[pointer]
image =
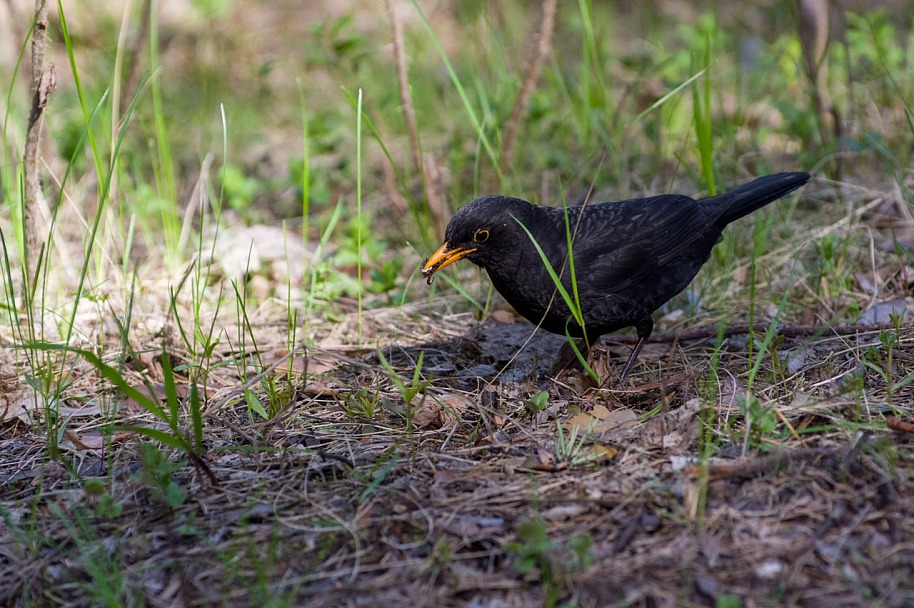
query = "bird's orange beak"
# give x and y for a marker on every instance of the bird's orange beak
(443, 257)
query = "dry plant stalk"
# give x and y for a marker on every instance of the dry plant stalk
(431, 176)
(768, 464)
(533, 73)
(896, 424)
(788, 331)
(815, 31)
(44, 82)
(132, 77)
(409, 113)
(434, 182)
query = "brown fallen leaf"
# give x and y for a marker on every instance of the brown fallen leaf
(503, 316)
(603, 453)
(429, 416)
(446, 476)
(437, 412)
(16, 404)
(897, 424)
(88, 440)
(602, 419)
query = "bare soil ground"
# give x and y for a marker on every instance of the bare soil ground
(326, 506)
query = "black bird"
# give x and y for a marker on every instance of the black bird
(630, 257)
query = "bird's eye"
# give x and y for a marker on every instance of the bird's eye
(481, 236)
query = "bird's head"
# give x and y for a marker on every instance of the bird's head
(482, 232)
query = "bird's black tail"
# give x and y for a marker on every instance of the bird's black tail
(741, 201)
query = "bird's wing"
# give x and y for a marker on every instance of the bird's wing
(617, 244)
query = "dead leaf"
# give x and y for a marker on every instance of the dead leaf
(602, 419)
(317, 363)
(884, 311)
(495, 438)
(89, 440)
(503, 316)
(603, 453)
(680, 423)
(897, 424)
(80, 412)
(18, 402)
(446, 476)
(429, 416)
(439, 411)
(473, 527)
(363, 514)
(564, 512)
(867, 283)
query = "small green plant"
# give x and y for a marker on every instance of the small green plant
(379, 472)
(385, 279)
(779, 367)
(255, 405)
(407, 390)
(337, 44)
(238, 189)
(188, 524)
(106, 505)
(106, 585)
(190, 443)
(276, 396)
(531, 550)
(831, 263)
(534, 552)
(882, 360)
(727, 600)
(571, 449)
(276, 390)
(362, 403)
(760, 420)
(156, 473)
(537, 403)
(442, 556)
(582, 547)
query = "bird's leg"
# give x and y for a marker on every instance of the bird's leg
(644, 329)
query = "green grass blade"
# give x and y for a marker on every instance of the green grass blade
(178, 442)
(358, 203)
(569, 301)
(480, 131)
(196, 417)
(110, 374)
(171, 391)
(580, 356)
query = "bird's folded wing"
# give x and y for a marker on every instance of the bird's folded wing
(618, 245)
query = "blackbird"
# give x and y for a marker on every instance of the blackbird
(630, 257)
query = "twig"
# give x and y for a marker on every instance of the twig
(131, 78)
(815, 32)
(749, 467)
(409, 113)
(532, 75)
(896, 424)
(788, 331)
(437, 207)
(44, 82)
